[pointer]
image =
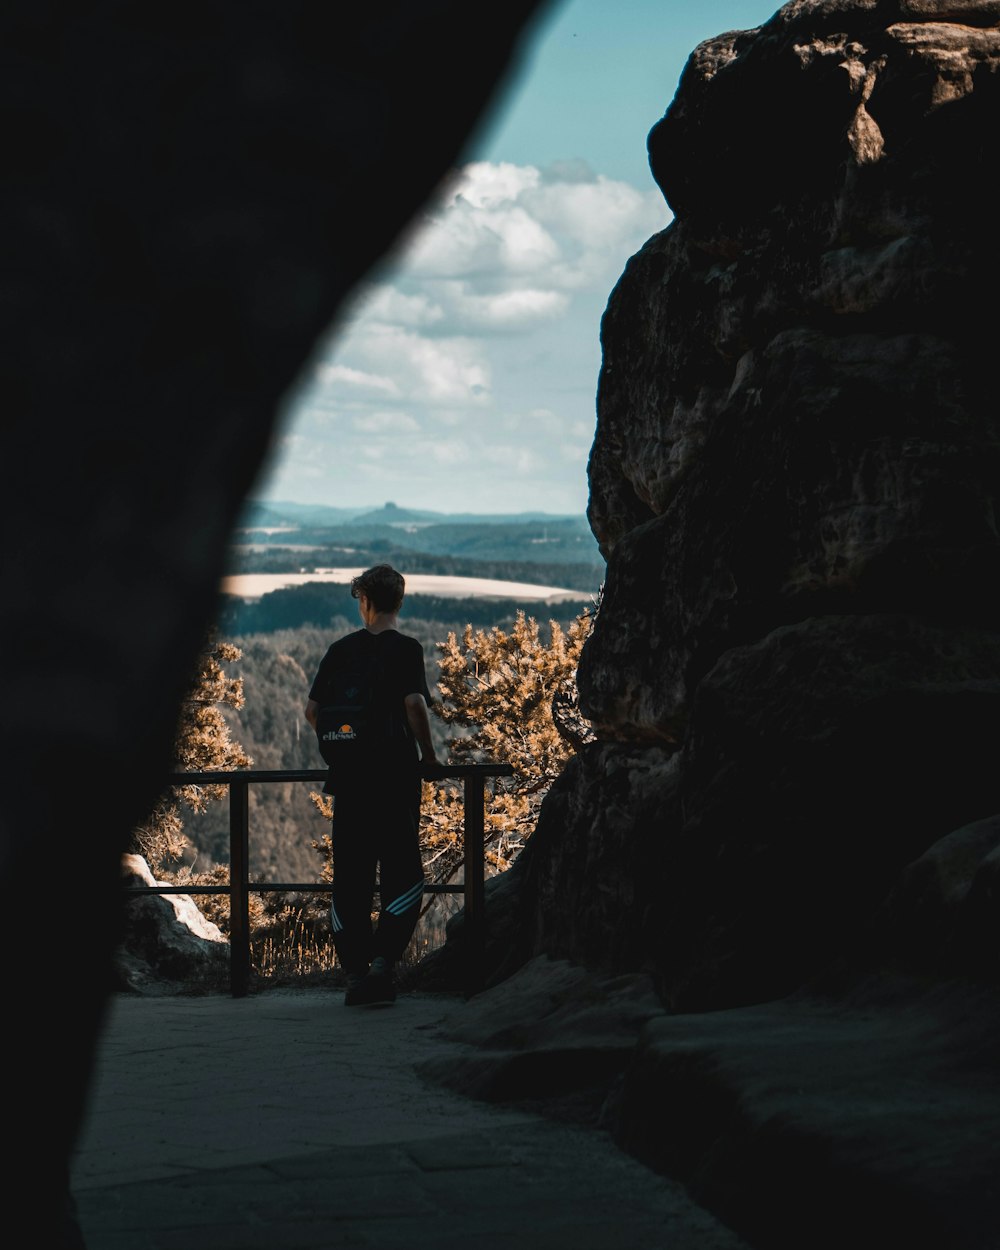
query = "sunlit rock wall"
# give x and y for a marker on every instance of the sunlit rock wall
(795, 670)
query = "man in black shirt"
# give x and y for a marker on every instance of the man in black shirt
(376, 802)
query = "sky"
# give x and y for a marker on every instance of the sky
(462, 375)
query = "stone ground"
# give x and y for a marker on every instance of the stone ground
(283, 1121)
(555, 1111)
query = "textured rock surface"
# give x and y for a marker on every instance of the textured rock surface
(869, 1121)
(865, 1118)
(166, 941)
(788, 822)
(795, 670)
(553, 1035)
(942, 917)
(796, 409)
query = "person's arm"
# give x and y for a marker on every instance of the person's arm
(311, 711)
(420, 723)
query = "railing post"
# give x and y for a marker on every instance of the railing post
(239, 888)
(474, 801)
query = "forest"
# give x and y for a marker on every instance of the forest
(318, 605)
(559, 540)
(276, 669)
(268, 558)
(528, 648)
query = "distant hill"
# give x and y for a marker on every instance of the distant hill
(334, 536)
(257, 515)
(392, 514)
(273, 514)
(527, 541)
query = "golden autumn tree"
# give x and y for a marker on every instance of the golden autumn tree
(498, 689)
(202, 743)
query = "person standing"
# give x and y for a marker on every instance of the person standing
(376, 801)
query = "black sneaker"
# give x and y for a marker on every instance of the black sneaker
(354, 995)
(380, 983)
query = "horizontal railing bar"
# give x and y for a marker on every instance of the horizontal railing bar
(278, 887)
(472, 777)
(266, 887)
(441, 773)
(177, 889)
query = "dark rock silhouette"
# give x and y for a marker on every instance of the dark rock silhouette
(788, 819)
(794, 675)
(190, 194)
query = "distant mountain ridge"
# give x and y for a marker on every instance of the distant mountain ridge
(280, 514)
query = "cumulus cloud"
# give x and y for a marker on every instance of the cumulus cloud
(387, 303)
(507, 310)
(497, 223)
(336, 376)
(423, 370)
(385, 423)
(476, 352)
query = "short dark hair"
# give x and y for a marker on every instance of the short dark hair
(382, 586)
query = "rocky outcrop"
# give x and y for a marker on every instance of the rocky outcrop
(552, 1035)
(795, 670)
(166, 941)
(942, 916)
(787, 824)
(795, 413)
(866, 1118)
(869, 1120)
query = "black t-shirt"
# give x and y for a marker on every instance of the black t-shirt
(401, 660)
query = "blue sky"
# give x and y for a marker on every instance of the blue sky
(463, 375)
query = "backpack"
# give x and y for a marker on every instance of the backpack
(354, 723)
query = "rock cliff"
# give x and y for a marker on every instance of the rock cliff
(795, 670)
(755, 934)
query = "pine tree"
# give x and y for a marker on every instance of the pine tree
(497, 690)
(202, 743)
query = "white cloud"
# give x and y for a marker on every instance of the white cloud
(488, 185)
(385, 423)
(385, 303)
(469, 369)
(448, 453)
(507, 309)
(598, 214)
(331, 375)
(425, 370)
(470, 241)
(437, 371)
(561, 223)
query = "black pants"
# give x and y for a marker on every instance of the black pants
(376, 824)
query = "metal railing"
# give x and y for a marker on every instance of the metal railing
(473, 778)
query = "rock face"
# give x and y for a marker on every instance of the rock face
(795, 670)
(787, 823)
(868, 1118)
(166, 940)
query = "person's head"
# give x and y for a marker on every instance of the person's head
(382, 586)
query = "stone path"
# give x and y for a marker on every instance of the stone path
(284, 1121)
